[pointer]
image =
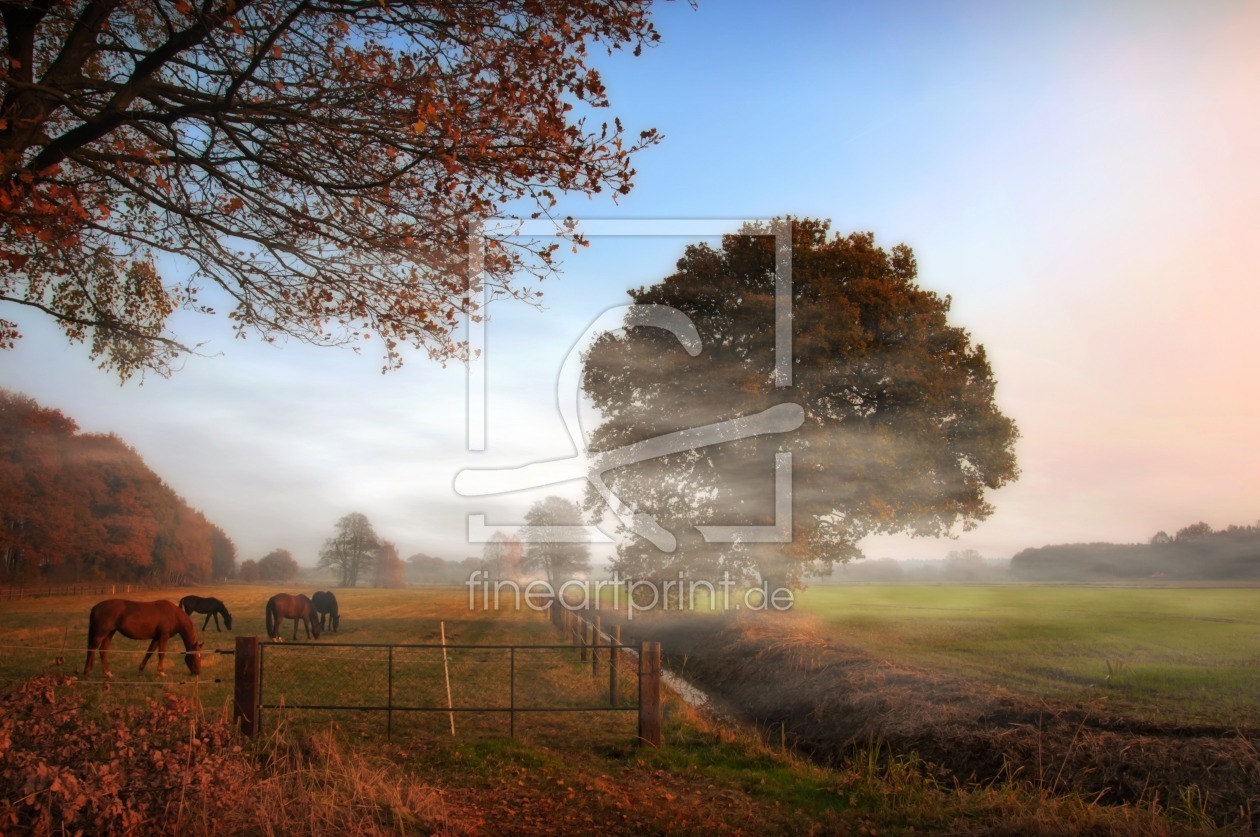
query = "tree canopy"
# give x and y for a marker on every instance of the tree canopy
(901, 432)
(316, 165)
(352, 549)
(546, 549)
(502, 556)
(389, 569)
(85, 506)
(277, 565)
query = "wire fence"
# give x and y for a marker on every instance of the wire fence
(433, 689)
(402, 689)
(23, 661)
(11, 592)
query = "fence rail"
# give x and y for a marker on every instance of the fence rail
(42, 591)
(404, 678)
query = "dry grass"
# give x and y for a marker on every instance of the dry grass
(70, 764)
(832, 701)
(317, 785)
(171, 765)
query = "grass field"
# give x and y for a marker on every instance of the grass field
(1162, 653)
(50, 633)
(569, 772)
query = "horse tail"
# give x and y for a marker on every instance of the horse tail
(184, 605)
(312, 620)
(93, 646)
(271, 618)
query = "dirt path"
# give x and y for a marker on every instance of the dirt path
(782, 672)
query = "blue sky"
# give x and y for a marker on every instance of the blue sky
(1083, 179)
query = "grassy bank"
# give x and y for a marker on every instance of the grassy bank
(1163, 653)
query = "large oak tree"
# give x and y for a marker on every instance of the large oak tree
(901, 432)
(316, 163)
(352, 550)
(547, 548)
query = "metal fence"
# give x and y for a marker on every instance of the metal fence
(497, 684)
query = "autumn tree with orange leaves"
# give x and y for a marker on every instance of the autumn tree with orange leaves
(315, 165)
(81, 506)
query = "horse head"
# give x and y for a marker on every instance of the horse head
(314, 623)
(193, 658)
(227, 619)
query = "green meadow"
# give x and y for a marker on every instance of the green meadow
(1171, 654)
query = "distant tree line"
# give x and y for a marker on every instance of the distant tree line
(423, 568)
(540, 550)
(77, 506)
(276, 565)
(958, 567)
(1196, 552)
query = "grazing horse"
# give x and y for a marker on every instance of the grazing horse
(283, 606)
(155, 621)
(210, 607)
(325, 604)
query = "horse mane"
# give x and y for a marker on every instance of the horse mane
(187, 631)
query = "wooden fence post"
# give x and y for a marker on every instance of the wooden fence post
(614, 687)
(595, 648)
(245, 704)
(582, 625)
(650, 694)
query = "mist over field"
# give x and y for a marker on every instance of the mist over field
(629, 418)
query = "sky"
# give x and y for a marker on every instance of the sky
(1082, 179)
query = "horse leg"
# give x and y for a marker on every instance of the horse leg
(216, 623)
(109, 637)
(295, 624)
(149, 653)
(160, 639)
(207, 622)
(94, 644)
(100, 645)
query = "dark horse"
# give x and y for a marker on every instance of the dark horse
(155, 621)
(325, 604)
(283, 606)
(210, 607)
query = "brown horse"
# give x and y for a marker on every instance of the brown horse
(325, 604)
(283, 606)
(155, 621)
(210, 607)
